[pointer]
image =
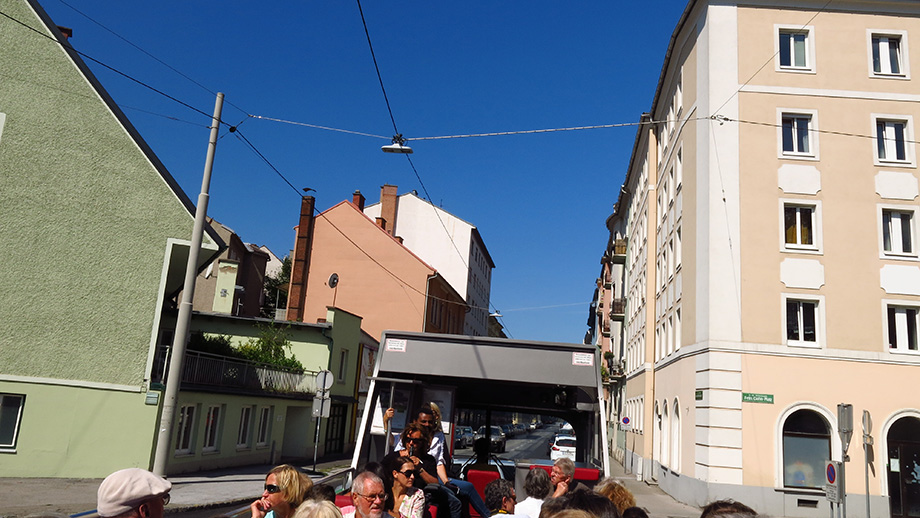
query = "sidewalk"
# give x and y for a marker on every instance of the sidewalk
(241, 485)
(32, 496)
(656, 502)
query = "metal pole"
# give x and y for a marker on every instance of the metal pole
(177, 352)
(866, 456)
(389, 426)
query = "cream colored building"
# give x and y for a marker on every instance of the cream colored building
(772, 269)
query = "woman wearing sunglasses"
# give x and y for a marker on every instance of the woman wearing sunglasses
(408, 501)
(284, 490)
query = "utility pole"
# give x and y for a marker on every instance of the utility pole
(180, 337)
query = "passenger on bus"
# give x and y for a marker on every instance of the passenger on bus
(596, 505)
(563, 478)
(408, 501)
(727, 508)
(482, 455)
(500, 498)
(285, 489)
(317, 509)
(464, 488)
(616, 492)
(415, 436)
(537, 487)
(368, 495)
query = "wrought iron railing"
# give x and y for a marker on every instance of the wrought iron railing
(223, 371)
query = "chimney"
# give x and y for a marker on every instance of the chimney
(300, 267)
(388, 208)
(382, 223)
(358, 199)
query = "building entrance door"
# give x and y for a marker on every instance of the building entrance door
(904, 468)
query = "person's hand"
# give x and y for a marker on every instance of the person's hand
(260, 508)
(561, 489)
(388, 415)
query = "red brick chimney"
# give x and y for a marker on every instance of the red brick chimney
(300, 267)
(358, 199)
(388, 207)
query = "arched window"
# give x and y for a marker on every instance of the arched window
(665, 441)
(675, 437)
(806, 446)
(656, 435)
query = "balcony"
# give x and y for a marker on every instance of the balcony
(204, 371)
(618, 309)
(619, 251)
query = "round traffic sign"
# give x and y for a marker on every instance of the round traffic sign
(831, 474)
(625, 420)
(324, 380)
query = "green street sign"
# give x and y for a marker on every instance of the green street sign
(748, 397)
(699, 395)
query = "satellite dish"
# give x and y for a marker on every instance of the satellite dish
(333, 280)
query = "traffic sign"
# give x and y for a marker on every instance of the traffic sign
(321, 406)
(324, 380)
(831, 470)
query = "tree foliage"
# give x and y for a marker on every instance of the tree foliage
(272, 347)
(276, 289)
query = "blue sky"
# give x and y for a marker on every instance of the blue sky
(449, 68)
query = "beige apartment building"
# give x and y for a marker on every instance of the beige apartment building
(772, 271)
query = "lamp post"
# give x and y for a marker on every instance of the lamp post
(180, 337)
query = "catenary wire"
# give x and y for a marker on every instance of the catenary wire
(151, 56)
(377, 68)
(273, 119)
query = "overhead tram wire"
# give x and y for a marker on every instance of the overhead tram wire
(68, 46)
(151, 56)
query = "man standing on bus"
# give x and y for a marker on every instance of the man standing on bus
(563, 477)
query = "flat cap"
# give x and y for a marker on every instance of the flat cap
(126, 489)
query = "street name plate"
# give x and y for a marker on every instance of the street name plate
(749, 397)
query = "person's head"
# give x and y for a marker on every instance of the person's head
(634, 512)
(285, 488)
(436, 412)
(537, 484)
(403, 472)
(563, 470)
(568, 513)
(726, 508)
(132, 492)
(320, 492)
(317, 509)
(416, 435)
(426, 417)
(596, 505)
(616, 492)
(481, 449)
(368, 495)
(500, 496)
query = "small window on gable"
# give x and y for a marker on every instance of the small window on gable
(888, 54)
(795, 49)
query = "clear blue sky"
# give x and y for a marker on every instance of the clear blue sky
(449, 68)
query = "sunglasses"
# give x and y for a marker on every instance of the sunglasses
(166, 499)
(417, 439)
(408, 473)
(271, 488)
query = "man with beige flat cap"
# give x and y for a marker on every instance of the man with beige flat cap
(132, 493)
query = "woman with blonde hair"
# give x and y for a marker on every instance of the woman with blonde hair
(317, 509)
(285, 489)
(616, 492)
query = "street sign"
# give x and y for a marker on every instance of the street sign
(750, 397)
(845, 425)
(831, 469)
(321, 406)
(324, 380)
(627, 423)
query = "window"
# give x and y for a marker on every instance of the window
(10, 418)
(265, 416)
(803, 322)
(888, 53)
(242, 438)
(891, 136)
(806, 447)
(795, 131)
(795, 49)
(902, 328)
(799, 225)
(186, 429)
(343, 363)
(898, 232)
(211, 429)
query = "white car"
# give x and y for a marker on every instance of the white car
(563, 446)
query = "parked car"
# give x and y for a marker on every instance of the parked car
(520, 429)
(463, 437)
(563, 446)
(499, 440)
(508, 429)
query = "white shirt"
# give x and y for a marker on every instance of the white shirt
(436, 449)
(530, 506)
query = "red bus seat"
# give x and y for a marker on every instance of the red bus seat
(480, 479)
